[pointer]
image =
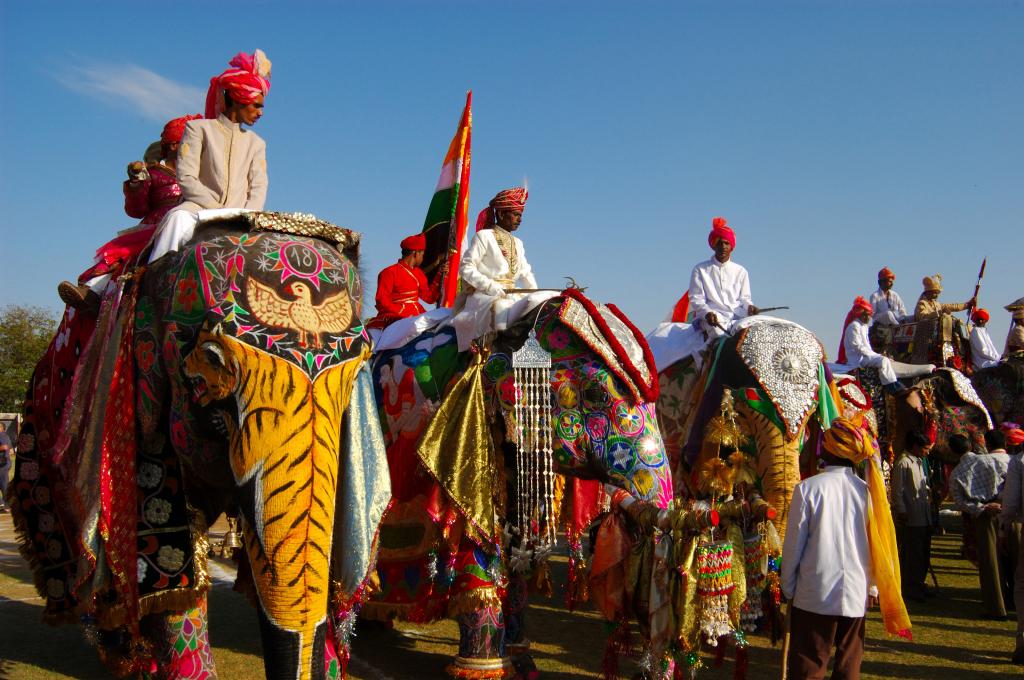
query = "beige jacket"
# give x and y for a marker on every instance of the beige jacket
(221, 165)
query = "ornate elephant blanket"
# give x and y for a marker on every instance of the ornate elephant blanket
(429, 565)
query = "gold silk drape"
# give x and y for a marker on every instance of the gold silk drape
(457, 450)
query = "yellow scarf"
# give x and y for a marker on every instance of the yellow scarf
(850, 439)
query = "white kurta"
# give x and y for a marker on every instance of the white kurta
(859, 352)
(887, 307)
(722, 288)
(826, 566)
(221, 165)
(983, 351)
(491, 303)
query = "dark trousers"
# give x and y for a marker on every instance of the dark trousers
(811, 639)
(915, 547)
(989, 572)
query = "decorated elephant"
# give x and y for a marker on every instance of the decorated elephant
(478, 442)
(943, 403)
(230, 373)
(1001, 388)
(770, 374)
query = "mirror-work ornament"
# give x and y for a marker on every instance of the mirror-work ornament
(784, 358)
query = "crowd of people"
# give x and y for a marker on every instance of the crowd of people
(838, 520)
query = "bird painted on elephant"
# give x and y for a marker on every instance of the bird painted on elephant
(333, 315)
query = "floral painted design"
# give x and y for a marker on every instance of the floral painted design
(170, 558)
(158, 511)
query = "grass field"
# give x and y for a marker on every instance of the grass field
(950, 640)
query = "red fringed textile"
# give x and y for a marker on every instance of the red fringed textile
(117, 472)
(586, 505)
(619, 644)
(648, 388)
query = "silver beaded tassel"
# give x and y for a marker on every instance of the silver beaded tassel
(534, 452)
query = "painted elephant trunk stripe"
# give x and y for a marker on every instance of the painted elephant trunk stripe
(284, 452)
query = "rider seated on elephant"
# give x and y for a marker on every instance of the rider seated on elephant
(719, 288)
(983, 351)
(717, 298)
(493, 269)
(887, 306)
(220, 164)
(929, 308)
(856, 349)
(401, 286)
(150, 192)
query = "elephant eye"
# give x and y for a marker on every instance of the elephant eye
(214, 354)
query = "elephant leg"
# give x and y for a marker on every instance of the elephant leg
(516, 642)
(481, 645)
(181, 644)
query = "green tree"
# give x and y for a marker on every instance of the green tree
(25, 333)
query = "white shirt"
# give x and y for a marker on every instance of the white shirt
(826, 565)
(722, 288)
(983, 350)
(483, 265)
(856, 343)
(887, 307)
(491, 306)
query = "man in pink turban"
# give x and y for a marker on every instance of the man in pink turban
(719, 288)
(220, 163)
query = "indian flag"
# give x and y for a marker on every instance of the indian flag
(448, 214)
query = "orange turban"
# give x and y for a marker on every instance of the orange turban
(886, 273)
(417, 242)
(174, 129)
(721, 230)
(509, 199)
(980, 314)
(846, 440)
(248, 78)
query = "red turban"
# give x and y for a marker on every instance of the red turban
(980, 314)
(859, 305)
(174, 129)
(721, 230)
(509, 199)
(1014, 435)
(886, 273)
(417, 242)
(248, 78)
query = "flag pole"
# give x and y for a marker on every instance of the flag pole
(459, 208)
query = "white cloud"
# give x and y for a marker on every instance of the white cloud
(129, 86)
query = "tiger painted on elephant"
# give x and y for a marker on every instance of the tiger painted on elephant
(237, 376)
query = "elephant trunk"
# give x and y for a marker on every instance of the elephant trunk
(284, 453)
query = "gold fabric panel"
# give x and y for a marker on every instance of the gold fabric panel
(456, 449)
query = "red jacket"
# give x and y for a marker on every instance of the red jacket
(399, 291)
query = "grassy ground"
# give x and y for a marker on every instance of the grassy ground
(950, 640)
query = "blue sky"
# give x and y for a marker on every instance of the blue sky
(836, 137)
